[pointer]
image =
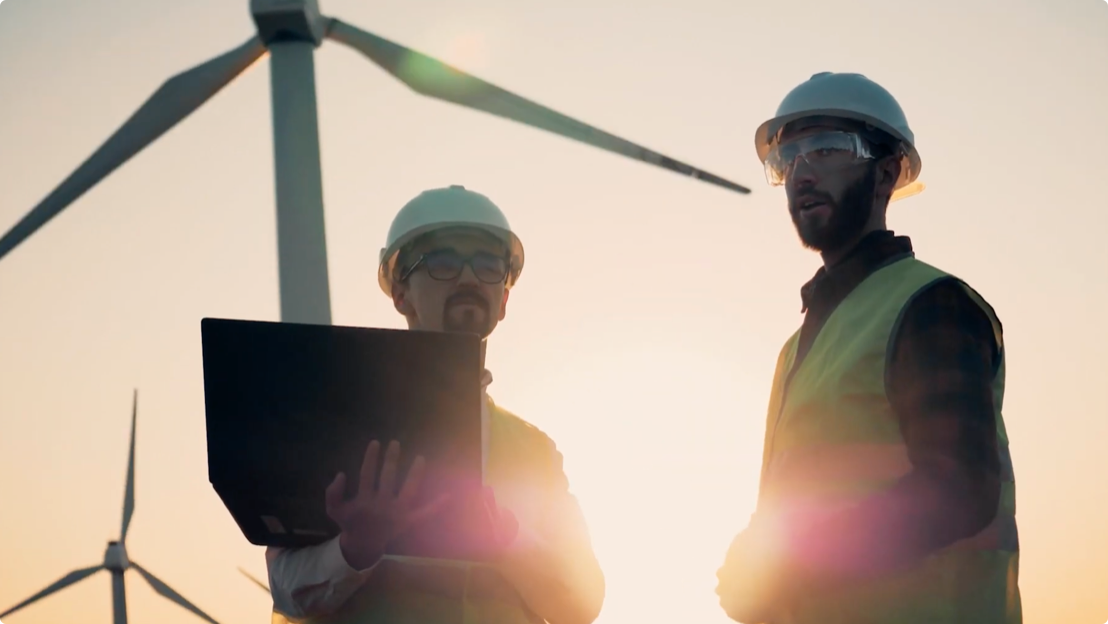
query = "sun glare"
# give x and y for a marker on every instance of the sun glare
(468, 50)
(665, 471)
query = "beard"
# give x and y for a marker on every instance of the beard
(848, 217)
(457, 318)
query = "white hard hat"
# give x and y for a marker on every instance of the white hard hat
(848, 96)
(441, 208)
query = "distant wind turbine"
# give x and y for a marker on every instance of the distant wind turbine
(291, 30)
(116, 560)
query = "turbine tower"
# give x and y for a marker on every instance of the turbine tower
(290, 31)
(116, 560)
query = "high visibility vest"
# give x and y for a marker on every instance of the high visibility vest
(832, 439)
(425, 591)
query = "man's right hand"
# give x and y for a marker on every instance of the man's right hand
(376, 514)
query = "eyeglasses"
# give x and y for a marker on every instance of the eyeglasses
(824, 152)
(447, 264)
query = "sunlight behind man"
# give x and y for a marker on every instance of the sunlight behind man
(663, 477)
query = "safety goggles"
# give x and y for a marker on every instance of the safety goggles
(447, 264)
(824, 152)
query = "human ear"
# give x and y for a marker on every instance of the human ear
(400, 301)
(888, 172)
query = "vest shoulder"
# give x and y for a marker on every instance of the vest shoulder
(916, 267)
(787, 349)
(943, 289)
(951, 282)
(517, 424)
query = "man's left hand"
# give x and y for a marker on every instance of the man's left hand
(753, 576)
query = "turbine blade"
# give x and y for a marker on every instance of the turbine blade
(256, 581)
(129, 493)
(436, 79)
(176, 99)
(65, 581)
(167, 591)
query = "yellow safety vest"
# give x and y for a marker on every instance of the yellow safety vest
(446, 592)
(832, 439)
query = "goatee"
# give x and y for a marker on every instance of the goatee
(467, 321)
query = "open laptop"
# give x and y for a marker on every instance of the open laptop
(288, 406)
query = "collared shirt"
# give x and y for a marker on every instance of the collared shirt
(486, 379)
(943, 362)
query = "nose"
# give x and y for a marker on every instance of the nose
(467, 276)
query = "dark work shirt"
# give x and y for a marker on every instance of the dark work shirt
(940, 372)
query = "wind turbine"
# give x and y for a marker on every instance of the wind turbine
(116, 560)
(290, 31)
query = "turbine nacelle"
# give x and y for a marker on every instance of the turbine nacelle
(288, 20)
(115, 557)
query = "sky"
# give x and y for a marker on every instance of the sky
(644, 331)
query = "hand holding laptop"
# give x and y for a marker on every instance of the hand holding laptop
(290, 406)
(378, 514)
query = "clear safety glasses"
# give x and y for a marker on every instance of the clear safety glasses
(824, 152)
(447, 264)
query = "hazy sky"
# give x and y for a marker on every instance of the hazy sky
(645, 328)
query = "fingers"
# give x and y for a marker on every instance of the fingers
(333, 496)
(387, 487)
(368, 473)
(411, 485)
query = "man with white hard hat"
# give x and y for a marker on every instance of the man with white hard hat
(887, 492)
(449, 262)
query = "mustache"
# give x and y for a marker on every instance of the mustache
(467, 296)
(824, 197)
